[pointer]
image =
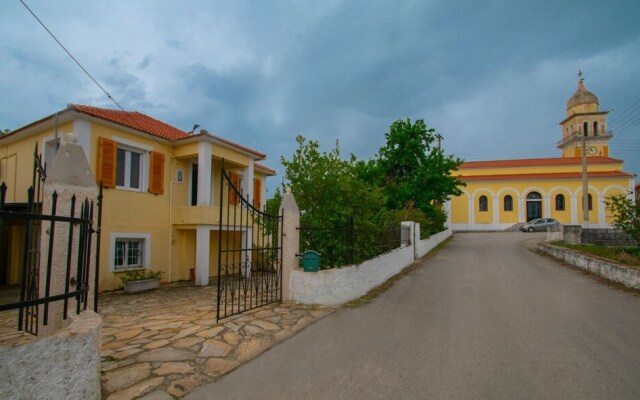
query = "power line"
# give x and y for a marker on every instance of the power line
(619, 119)
(72, 57)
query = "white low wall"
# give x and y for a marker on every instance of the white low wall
(426, 245)
(65, 365)
(626, 276)
(339, 285)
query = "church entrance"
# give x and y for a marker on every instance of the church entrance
(534, 206)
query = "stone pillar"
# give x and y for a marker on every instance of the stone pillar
(68, 175)
(290, 241)
(573, 234)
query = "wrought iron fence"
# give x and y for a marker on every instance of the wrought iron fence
(78, 228)
(348, 244)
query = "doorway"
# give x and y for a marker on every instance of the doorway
(534, 206)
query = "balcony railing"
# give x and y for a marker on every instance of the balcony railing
(577, 136)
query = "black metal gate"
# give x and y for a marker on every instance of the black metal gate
(249, 251)
(79, 230)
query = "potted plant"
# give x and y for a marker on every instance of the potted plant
(140, 280)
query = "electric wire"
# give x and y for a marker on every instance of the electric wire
(72, 57)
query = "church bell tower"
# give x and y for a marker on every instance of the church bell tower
(584, 119)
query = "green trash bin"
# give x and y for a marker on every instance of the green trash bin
(310, 261)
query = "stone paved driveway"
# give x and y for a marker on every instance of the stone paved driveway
(164, 343)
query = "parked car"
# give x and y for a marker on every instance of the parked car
(539, 224)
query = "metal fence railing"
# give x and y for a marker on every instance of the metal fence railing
(348, 244)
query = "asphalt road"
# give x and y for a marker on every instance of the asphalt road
(485, 318)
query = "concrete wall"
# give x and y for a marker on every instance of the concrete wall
(65, 365)
(339, 285)
(626, 276)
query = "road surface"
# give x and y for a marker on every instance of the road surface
(484, 318)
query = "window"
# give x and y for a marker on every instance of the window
(560, 202)
(585, 127)
(508, 203)
(129, 253)
(590, 201)
(484, 205)
(129, 165)
(128, 169)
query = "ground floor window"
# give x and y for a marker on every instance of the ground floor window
(129, 251)
(560, 202)
(484, 204)
(508, 203)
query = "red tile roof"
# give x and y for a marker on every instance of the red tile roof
(528, 162)
(553, 175)
(135, 120)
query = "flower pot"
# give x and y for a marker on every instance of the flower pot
(141, 286)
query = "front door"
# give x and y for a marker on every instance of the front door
(534, 206)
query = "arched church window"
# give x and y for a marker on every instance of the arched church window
(508, 203)
(560, 202)
(484, 203)
(595, 128)
(590, 201)
(585, 129)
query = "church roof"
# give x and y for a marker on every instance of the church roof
(529, 162)
(582, 96)
(551, 175)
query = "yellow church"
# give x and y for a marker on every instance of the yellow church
(502, 193)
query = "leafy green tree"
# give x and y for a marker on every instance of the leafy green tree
(4, 131)
(327, 188)
(413, 172)
(626, 214)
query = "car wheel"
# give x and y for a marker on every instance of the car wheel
(530, 229)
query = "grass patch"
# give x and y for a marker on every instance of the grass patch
(376, 291)
(621, 255)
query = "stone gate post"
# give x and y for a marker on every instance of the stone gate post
(290, 241)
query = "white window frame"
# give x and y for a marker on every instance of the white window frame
(115, 236)
(133, 147)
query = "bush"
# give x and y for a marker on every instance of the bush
(140, 275)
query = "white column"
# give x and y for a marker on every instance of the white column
(496, 209)
(521, 209)
(204, 173)
(547, 206)
(202, 255)
(574, 209)
(247, 181)
(601, 210)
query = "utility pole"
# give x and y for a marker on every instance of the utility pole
(585, 183)
(440, 139)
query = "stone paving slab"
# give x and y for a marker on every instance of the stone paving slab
(164, 343)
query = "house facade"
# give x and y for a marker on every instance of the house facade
(162, 190)
(502, 193)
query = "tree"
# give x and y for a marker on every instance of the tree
(626, 214)
(326, 187)
(413, 172)
(4, 131)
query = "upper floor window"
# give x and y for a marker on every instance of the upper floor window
(484, 204)
(128, 169)
(560, 202)
(508, 203)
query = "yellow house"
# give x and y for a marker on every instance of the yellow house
(502, 193)
(162, 189)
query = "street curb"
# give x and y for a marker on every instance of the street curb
(618, 273)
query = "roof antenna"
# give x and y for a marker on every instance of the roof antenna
(195, 126)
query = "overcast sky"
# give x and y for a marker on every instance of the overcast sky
(492, 77)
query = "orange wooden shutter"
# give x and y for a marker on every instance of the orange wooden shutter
(257, 193)
(156, 172)
(107, 152)
(235, 182)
